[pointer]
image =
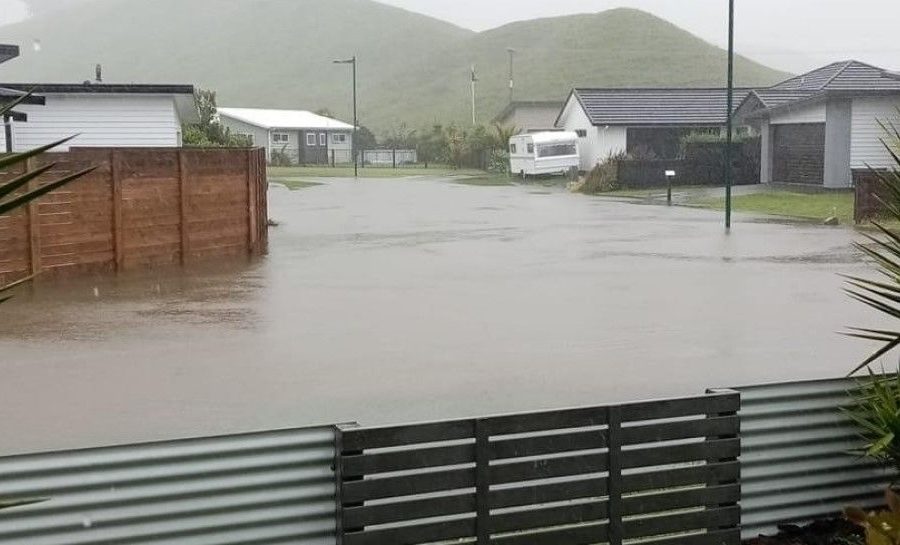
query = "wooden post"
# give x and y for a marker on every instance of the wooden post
(34, 225)
(183, 198)
(115, 169)
(252, 179)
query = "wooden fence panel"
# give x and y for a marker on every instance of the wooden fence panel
(142, 207)
(664, 471)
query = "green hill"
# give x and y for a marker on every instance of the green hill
(413, 68)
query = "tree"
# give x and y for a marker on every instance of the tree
(400, 137)
(365, 139)
(431, 146)
(209, 132)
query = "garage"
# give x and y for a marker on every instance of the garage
(799, 153)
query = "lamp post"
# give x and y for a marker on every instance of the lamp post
(729, 125)
(353, 147)
(512, 54)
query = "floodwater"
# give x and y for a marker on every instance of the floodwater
(404, 300)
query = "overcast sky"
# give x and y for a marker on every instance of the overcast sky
(793, 35)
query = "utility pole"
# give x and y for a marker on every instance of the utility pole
(512, 54)
(474, 81)
(353, 144)
(729, 126)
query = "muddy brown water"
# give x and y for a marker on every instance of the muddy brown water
(397, 300)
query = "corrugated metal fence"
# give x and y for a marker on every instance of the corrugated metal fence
(279, 487)
(275, 487)
(796, 460)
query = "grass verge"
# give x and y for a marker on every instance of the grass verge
(278, 173)
(489, 180)
(811, 206)
(294, 184)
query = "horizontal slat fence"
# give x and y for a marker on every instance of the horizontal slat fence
(141, 207)
(273, 487)
(797, 455)
(663, 472)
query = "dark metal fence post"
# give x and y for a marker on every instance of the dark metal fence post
(482, 482)
(394, 157)
(615, 474)
(339, 481)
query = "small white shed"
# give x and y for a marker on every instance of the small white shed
(103, 115)
(552, 152)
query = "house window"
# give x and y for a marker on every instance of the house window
(310, 139)
(512, 148)
(530, 148)
(339, 138)
(582, 133)
(323, 139)
(280, 138)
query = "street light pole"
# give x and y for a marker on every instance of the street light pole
(353, 145)
(729, 126)
(512, 53)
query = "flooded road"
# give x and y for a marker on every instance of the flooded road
(398, 300)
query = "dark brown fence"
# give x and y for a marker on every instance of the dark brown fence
(868, 189)
(664, 471)
(141, 207)
(703, 164)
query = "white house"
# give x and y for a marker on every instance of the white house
(640, 120)
(823, 127)
(297, 136)
(103, 115)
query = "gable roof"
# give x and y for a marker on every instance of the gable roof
(182, 94)
(842, 76)
(845, 78)
(283, 119)
(516, 104)
(657, 106)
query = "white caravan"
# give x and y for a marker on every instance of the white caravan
(536, 153)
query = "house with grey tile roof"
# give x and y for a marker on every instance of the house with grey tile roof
(824, 127)
(641, 120)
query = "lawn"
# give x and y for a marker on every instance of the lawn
(279, 173)
(812, 206)
(486, 180)
(294, 184)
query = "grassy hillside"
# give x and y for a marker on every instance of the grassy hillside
(278, 53)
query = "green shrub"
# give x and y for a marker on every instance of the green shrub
(604, 177)
(876, 413)
(280, 158)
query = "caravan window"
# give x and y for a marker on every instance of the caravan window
(530, 148)
(557, 150)
(512, 148)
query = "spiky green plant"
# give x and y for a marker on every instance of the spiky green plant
(882, 294)
(13, 193)
(876, 413)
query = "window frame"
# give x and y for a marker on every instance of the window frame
(582, 133)
(323, 139)
(512, 149)
(530, 148)
(280, 138)
(338, 138)
(311, 143)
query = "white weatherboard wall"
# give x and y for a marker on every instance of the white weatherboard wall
(600, 142)
(866, 148)
(100, 120)
(813, 113)
(259, 135)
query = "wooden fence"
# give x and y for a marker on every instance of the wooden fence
(661, 471)
(869, 192)
(142, 207)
